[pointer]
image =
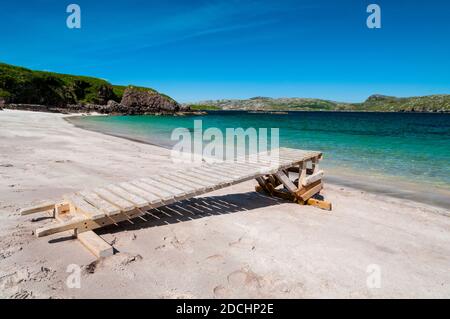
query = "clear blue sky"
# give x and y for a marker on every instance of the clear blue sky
(210, 49)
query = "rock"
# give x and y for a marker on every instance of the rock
(142, 101)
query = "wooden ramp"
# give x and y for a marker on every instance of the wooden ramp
(87, 210)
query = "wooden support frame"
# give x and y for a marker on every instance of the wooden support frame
(309, 184)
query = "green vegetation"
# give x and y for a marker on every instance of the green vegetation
(23, 86)
(375, 103)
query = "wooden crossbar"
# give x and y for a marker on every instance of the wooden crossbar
(87, 210)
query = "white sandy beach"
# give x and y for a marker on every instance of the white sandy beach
(250, 246)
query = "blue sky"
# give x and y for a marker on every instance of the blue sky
(211, 49)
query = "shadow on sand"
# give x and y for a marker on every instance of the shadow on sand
(195, 208)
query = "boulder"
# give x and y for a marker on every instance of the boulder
(141, 101)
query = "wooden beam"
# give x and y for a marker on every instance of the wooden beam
(313, 190)
(95, 244)
(286, 181)
(44, 206)
(308, 180)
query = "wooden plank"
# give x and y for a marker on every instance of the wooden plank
(137, 201)
(151, 198)
(286, 181)
(207, 185)
(189, 190)
(311, 192)
(176, 191)
(83, 224)
(95, 244)
(204, 174)
(100, 203)
(164, 195)
(308, 180)
(185, 185)
(178, 180)
(42, 207)
(107, 195)
(60, 227)
(78, 204)
(215, 172)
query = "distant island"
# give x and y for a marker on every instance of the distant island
(25, 89)
(375, 103)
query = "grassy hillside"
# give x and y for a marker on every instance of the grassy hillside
(23, 86)
(432, 103)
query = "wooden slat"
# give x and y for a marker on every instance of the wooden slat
(81, 206)
(193, 190)
(164, 195)
(137, 201)
(213, 177)
(123, 204)
(151, 198)
(205, 177)
(191, 185)
(182, 176)
(100, 203)
(161, 185)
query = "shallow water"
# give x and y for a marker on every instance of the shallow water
(408, 147)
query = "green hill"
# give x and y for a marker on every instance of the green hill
(375, 103)
(23, 86)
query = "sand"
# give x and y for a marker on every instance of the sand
(233, 243)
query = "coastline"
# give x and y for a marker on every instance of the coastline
(383, 185)
(254, 247)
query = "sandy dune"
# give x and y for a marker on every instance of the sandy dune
(231, 243)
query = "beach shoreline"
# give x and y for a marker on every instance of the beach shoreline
(255, 248)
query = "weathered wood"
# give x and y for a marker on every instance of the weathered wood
(312, 178)
(286, 181)
(177, 192)
(115, 200)
(83, 224)
(149, 197)
(99, 203)
(136, 200)
(95, 244)
(44, 206)
(164, 195)
(78, 204)
(311, 191)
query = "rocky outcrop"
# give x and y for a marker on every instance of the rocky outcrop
(142, 101)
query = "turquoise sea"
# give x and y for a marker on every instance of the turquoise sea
(406, 154)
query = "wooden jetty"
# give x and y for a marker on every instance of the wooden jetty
(86, 210)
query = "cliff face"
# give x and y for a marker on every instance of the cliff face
(22, 88)
(142, 100)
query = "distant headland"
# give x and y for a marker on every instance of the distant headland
(25, 89)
